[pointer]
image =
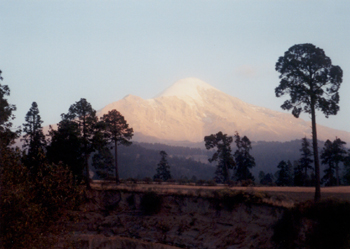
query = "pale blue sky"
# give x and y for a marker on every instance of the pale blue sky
(56, 52)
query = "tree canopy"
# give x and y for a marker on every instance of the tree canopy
(312, 83)
(30, 207)
(34, 139)
(222, 155)
(7, 136)
(305, 161)
(117, 131)
(65, 146)
(310, 79)
(332, 154)
(163, 169)
(283, 175)
(244, 161)
(82, 113)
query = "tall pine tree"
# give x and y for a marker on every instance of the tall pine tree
(305, 161)
(163, 170)
(82, 113)
(312, 82)
(222, 155)
(34, 139)
(283, 174)
(117, 131)
(298, 174)
(7, 136)
(66, 146)
(102, 161)
(346, 176)
(244, 161)
(332, 154)
(340, 154)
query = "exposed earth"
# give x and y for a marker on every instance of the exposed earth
(187, 216)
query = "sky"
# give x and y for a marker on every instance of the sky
(57, 52)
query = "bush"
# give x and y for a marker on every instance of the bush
(131, 200)
(230, 198)
(329, 221)
(231, 183)
(131, 180)
(183, 181)
(157, 180)
(247, 183)
(200, 182)
(30, 205)
(151, 203)
(211, 183)
(286, 230)
(171, 180)
(147, 180)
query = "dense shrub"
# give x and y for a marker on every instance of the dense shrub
(231, 183)
(147, 180)
(131, 180)
(286, 230)
(131, 200)
(183, 181)
(329, 222)
(200, 182)
(246, 183)
(151, 203)
(30, 206)
(333, 224)
(228, 199)
(211, 183)
(171, 181)
(157, 180)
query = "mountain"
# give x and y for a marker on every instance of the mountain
(191, 109)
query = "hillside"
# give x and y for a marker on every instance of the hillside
(191, 109)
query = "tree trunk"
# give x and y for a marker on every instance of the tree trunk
(317, 164)
(116, 161)
(228, 173)
(337, 173)
(305, 177)
(87, 177)
(86, 159)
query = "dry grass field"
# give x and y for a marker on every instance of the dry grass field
(287, 194)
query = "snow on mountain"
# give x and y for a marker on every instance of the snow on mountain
(189, 87)
(191, 109)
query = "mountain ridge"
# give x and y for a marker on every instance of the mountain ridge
(191, 109)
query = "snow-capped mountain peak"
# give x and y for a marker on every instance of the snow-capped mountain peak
(188, 87)
(191, 109)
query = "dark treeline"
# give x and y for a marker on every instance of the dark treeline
(176, 150)
(267, 155)
(35, 193)
(136, 161)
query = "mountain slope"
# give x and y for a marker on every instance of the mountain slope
(191, 109)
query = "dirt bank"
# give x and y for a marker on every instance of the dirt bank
(163, 216)
(177, 220)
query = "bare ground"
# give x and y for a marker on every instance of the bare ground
(184, 220)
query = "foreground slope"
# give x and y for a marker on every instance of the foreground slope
(191, 109)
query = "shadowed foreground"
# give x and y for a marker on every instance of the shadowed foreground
(174, 216)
